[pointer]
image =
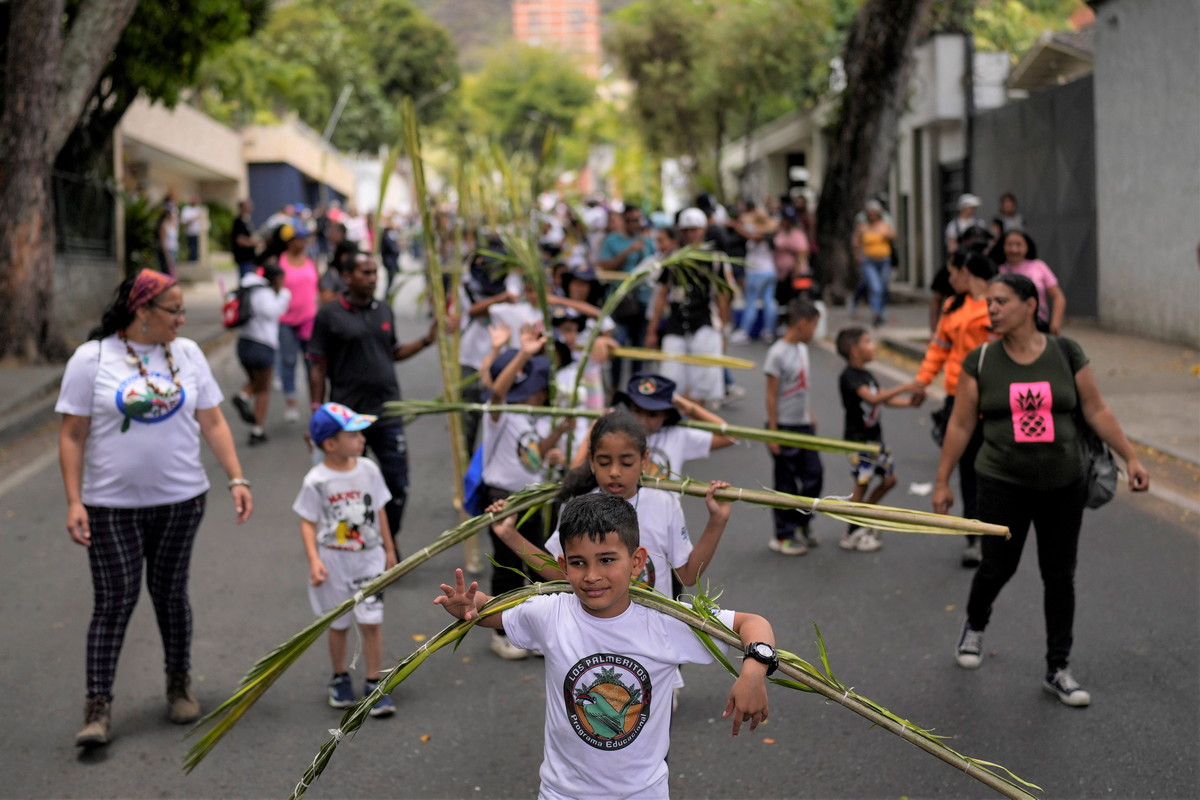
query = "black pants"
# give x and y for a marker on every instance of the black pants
(390, 446)
(1056, 515)
(510, 571)
(631, 332)
(967, 484)
(800, 472)
(473, 392)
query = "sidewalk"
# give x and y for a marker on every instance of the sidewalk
(1152, 387)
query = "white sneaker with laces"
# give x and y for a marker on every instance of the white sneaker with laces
(506, 649)
(864, 540)
(739, 337)
(969, 652)
(787, 547)
(1066, 689)
(291, 414)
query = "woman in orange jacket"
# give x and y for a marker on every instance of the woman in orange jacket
(963, 326)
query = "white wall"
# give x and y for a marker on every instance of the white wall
(1148, 166)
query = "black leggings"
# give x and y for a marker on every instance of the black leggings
(967, 485)
(1056, 515)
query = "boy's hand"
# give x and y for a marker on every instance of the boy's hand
(532, 339)
(747, 701)
(916, 399)
(503, 528)
(555, 457)
(317, 573)
(500, 334)
(459, 600)
(389, 559)
(773, 447)
(717, 509)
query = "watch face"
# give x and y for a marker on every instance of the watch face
(764, 650)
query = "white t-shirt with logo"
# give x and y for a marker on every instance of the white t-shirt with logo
(610, 739)
(345, 506)
(788, 362)
(672, 446)
(664, 534)
(511, 460)
(143, 442)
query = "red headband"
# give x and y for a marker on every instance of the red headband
(146, 286)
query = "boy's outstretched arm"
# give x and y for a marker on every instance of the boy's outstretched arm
(748, 697)
(506, 531)
(702, 554)
(886, 396)
(464, 601)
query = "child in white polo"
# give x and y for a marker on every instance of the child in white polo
(347, 541)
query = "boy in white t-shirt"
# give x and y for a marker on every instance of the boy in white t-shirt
(609, 661)
(796, 470)
(346, 538)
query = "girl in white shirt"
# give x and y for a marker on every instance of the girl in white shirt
(258, 343)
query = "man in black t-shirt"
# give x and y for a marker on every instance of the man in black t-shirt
(243, 243)
(354, 346)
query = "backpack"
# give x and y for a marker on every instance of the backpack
(236, 310)
(474, 491)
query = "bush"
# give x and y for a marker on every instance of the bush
(220, 226)
(141, 233)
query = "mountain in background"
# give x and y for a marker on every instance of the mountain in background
(478, 25)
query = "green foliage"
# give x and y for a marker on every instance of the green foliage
(220, 225)
(1013, 26)
(523, 93)
(308, 51)
(141, 233)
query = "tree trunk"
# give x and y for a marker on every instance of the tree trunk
(876, 59)
(47, 80)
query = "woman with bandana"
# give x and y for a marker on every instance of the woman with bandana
(135, 401)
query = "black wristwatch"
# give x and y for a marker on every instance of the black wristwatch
(763, 653)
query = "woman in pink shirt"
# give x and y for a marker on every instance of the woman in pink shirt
(1020, 258)
(295, 326)
(792, 273)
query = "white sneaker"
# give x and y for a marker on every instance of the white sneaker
(787, 547)
(972, 556)
(291, 414)
(864, 540)
(1067, 689)
(739, 337)
(734, 392)
(506, 649)
(969, 652)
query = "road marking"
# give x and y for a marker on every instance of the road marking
(28, 471)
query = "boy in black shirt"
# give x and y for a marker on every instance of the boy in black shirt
(862, 399)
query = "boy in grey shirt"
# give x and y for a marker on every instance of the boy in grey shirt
(797, 471)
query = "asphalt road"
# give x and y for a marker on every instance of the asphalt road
(470, 725)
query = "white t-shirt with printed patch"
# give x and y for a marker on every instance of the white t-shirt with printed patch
(511, 460)
(664, 534)
(672, 446)
(610, 739)
(143, 442)
(345, 506)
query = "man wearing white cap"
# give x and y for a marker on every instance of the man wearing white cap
(968, 206)
(690, 326)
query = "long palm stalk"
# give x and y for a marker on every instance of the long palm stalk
(447, 335)
(699, 360)
(270, 667)
(801, 675)
(415, 408)
(866, 514)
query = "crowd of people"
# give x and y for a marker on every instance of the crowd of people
(1018, 397)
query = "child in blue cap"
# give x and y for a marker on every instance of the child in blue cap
(347, 541)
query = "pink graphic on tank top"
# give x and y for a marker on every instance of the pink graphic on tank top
(1031, 405)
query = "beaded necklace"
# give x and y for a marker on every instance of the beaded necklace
(134, 360)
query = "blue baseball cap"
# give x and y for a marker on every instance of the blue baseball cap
(333, 418)
(534, 376)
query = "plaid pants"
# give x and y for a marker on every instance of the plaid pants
(122, 538)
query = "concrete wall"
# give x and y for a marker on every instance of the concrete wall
(1148, 156)
(83, 287)
(292, 143)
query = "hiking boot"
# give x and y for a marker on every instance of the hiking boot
(502, 647)
(1066, 688)
(341, 691)
(384, 707)
(97, 722)
(969, 652)
(183, 705)
(972, 556)
(787, 547)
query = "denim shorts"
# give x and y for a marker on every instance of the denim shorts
(255, 355)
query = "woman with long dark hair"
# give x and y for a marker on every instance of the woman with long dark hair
(1026, 391)
(1021, 258)
(135, 401)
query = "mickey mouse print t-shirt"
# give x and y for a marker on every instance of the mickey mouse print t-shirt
(345, 506)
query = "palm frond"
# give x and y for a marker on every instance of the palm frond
(268, 669)
(701, 618)
(646, 354)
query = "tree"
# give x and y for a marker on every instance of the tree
(525, 94)
(876, 59)
(50, 68)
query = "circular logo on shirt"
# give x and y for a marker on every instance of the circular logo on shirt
(658, 466)
(151, 399)
(608, 700)
(527, 451)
